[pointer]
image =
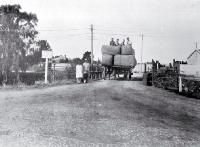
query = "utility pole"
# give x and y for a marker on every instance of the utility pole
(92, 44)
(142, 51)
(91, 28)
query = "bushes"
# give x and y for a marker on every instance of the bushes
(68, 73)
(26, 78)
(71, 72)
(30, 78)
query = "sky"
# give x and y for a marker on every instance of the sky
(170, 28)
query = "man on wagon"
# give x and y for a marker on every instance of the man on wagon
(112, 42)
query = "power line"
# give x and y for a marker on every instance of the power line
(100, 31)
(58, 30)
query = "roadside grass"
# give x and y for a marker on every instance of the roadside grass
(38, 84)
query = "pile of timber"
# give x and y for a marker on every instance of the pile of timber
(118, 56)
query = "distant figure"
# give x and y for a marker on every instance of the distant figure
(117, 42)
(128, 41)
(112, 42)
(79, 73)
(123, 42)
(86, 71)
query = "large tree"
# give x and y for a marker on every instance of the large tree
(17, 33)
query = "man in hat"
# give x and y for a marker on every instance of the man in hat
(128, 41)
(117, 42)
(112, 42)
(86, 71)
(123, 42)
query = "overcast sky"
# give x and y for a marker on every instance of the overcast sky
(170, 27)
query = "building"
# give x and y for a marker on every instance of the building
(141, 67)
(57, 59)
(194, 58)
(193, 66)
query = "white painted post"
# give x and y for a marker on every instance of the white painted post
(157, 66)
(180, 89)
(46, 70)
(46, 54)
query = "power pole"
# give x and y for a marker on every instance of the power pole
(92, 44)
(142, 51)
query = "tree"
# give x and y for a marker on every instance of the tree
(66, 60)
(36, 55)
(87, 56)
(17, 33)
(42, 45)
(76, 61)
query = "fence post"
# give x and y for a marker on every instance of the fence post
(54, 66)
(180, 89)
(46, 70)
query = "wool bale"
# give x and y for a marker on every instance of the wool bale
(107, 59)
(110, 50)
(125, 60)
(127, 50)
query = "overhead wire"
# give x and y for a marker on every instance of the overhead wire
(105, 31)
(61, 30)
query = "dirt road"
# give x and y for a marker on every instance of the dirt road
(101, 113)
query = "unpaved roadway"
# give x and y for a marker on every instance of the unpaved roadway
(101, 113)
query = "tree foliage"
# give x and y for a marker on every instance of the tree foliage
(87, 56)
(76, 61)
(17, 34)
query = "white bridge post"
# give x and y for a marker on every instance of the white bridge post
(180, 89)
(46, 71)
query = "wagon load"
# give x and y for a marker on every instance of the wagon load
(127, 50)
(110, 50)
(125, 60)
(107, 59)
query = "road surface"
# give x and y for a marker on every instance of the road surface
(101, 113)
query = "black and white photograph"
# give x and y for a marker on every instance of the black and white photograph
(99, 73)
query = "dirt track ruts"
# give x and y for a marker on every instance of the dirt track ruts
(101, 113)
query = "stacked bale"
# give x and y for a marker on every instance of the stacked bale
(107, 60)
(127, 50)
(118, 56)
(110, 50)
(126, 58)
(108, 53)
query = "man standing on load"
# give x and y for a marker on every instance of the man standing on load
(117, 42)
(123, 42)
(86, 71)
(112, 42)
(128, 41)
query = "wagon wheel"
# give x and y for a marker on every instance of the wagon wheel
(129, 75)
(125, 74)
(114, 73)
(104, 72)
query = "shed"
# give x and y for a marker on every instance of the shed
(194, 57)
